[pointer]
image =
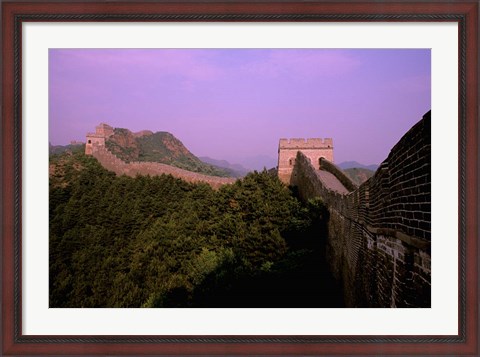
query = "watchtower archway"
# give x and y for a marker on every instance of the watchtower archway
(314, 149)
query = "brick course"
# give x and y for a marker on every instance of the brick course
(313, 148)
(378, 242)
(120, 167)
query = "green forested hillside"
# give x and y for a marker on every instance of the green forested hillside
(162, 242)
(359, 175)
(158, 147)
(60, 149)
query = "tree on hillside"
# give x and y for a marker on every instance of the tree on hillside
(160, 241)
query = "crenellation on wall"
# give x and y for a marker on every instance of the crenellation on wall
(314, 148)
(378, 240)
(104, 129)
(309, 143)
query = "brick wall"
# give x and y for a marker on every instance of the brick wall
(93, 140)
(120, 167)
(314, 149)
(378, 240)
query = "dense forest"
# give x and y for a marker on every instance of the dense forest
(162, 242)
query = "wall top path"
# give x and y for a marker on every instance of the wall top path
(120, 167)
(331, 182)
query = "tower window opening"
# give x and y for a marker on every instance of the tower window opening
(89, 141)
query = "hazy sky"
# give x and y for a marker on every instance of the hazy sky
(236, 103)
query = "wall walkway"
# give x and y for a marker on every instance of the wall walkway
(120, 167)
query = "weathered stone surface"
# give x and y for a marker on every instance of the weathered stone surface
(113, 163)
(379, 234)
(314, 149)
(102, 131)
(330, 181)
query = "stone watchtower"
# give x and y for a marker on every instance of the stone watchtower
(314, 150)
(102, 132)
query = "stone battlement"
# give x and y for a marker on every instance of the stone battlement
(102, 132)
(378, 242)
(310, 143)
(104, 129)
(112, 163)
(313, 148)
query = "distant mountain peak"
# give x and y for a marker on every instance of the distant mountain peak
(354, 164)
(358, 174)
(236, 170)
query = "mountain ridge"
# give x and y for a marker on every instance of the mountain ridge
(162, 147)
(354, 164)
(237, 170)
(358, 174)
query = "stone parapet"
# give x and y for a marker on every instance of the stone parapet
(112, 163)
(314, 149)
(310, 143)
(379, 236)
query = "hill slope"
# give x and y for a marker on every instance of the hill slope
(236, 170)
(355, 164)
(158, 241)
(60, 149)
(358, 175)
(160, 147)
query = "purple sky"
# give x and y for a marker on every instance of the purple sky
(237, 103)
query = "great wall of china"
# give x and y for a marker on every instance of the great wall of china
(113, 163)
(378, 241)
(95, 146)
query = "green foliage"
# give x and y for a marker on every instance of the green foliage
(162, 242)
(358, 175)
(166, 148)
(57, 150)
(159, 147)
